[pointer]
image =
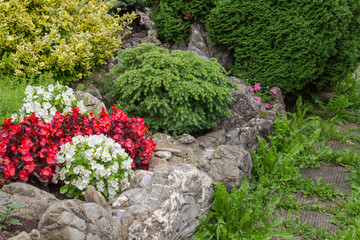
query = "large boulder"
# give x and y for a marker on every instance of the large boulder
(228, 165)
(76, 220)
(36, 201)
(168, 207)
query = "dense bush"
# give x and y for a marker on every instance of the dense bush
(173, 17)
(289, 44)
(66, 37)
(175, 93)
(129, 5)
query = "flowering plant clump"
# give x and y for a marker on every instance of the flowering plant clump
(130, 133)
(46, 101)
(265, 97)
(93, 160)
(27, 149)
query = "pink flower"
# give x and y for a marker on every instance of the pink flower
(258, 98)
(268, 105)
(257, 86)
(273, 91)
(251, 88)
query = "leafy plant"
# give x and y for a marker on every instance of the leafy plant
(66, 37)
(266, 97)
(175, 93)
(93, 160)
(288, 44)
(172, 18)
(241, 214)
(45, 102)
(5, 217)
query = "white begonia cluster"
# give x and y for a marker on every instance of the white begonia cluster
(46, 101)
(96, 157)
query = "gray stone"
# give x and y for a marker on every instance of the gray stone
(163, 154)
(92, 103)
(200, 44)
(22, 236)
(186, 139)
(94, 91)
(34, 234)
(36, 201)
(92, 237)
(171, 207)
(180, 45)
(243, 109)
(145, 19)
(229, 164)
(139, 175)
(91, 195)
(131, 197)
(74, 219)
(145, 182)
(156, 161)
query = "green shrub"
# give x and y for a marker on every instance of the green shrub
(176, 93)
(129, 5)
(173, 17)
(65, 36)
(289, 44)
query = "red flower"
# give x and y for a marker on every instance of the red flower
(46, 172)
(9, 170)
(30, 167)
(23, 176)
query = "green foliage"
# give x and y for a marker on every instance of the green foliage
(173, 17)
(12, 92)
(289, 44)
(241, 214)
(66, 37)
(348, 212)
(129, 5)
(5, 217)
(175, 93)
(345, 104)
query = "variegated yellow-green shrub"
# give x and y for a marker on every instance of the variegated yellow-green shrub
(66, 37)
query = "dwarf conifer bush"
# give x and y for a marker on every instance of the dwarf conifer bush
(289, 44)
(175, 93)
(67, 37)
(173, 17)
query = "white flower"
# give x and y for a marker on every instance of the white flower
(29, 90)
(47, 105)
(102, 169)
(46, 96)
(51, 88)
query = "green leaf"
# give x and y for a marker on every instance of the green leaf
(14, 222)
(64, 189)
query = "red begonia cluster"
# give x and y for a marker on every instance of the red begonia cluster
(28, 149)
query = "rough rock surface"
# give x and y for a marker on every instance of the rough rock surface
(169, 208)
(36, 201)
(228, 165)
(92, 103)
(200, 44)
(74, 219)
